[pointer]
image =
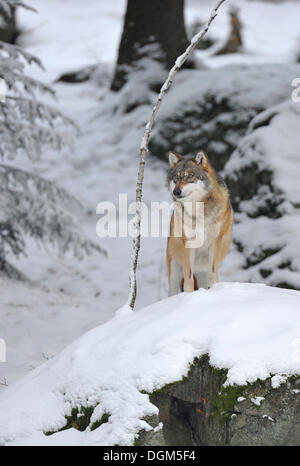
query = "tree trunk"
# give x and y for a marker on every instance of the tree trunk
(152, 28)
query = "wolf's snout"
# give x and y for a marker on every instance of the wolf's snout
(177, 192)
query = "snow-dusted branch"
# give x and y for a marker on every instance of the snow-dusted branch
(144, 149)
(26, 123)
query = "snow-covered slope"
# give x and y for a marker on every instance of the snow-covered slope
(69, 35)
(261, 21)
(251, 330)
(263, 175)
(211, 109)
(36, 322)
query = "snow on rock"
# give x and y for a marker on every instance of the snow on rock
(211, 109)
(257, 400)
(248, 329)
(268, 417)
(277, 380)
(262, 175)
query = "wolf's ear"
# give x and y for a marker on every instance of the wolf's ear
(174, 158)
(201, 159)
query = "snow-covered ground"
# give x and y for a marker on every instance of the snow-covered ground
(70, 34)
(251, 329)
(68, 296)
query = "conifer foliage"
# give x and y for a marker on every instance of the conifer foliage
(30, 205)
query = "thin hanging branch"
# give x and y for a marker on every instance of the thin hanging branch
(144, 149)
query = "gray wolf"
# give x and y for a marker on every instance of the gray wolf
(196, 189)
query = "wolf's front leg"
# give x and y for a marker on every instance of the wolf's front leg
(188, 269)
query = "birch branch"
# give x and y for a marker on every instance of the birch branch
(144, 149)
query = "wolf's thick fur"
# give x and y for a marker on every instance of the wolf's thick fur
(194, 181)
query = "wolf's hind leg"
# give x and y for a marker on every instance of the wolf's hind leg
(214, 278)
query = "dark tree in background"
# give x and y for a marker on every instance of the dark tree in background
(151, 27)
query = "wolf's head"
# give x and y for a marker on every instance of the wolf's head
(189, 179)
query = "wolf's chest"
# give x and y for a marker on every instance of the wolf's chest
(203, 227)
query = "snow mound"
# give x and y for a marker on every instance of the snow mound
(250, 329)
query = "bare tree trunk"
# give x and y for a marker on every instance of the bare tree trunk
(144, 149)
(151, 27)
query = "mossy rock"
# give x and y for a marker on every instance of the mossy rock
(80, 419)
(199, 410)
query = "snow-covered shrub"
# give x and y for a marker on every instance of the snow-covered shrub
(29, 204)
(144, 80)
(99, 74)
(211, 109)
(26, 123)
(263, 177)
